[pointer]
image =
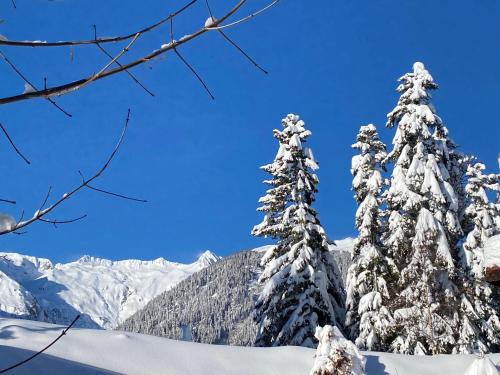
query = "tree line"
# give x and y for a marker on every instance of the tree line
(416, 284)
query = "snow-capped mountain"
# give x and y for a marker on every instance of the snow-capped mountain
(105, 292)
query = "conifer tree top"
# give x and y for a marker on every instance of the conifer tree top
(414, 110)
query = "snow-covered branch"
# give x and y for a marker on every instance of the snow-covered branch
(49, 92)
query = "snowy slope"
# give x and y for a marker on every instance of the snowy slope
(106, 292)
(92, 352)
(16, 300)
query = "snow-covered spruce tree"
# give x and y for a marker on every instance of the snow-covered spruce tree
(423, 227)
(479, 321)
(336, 355)
(481, 215)
(371, 271)
(301, 288)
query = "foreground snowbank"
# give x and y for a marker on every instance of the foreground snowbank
(91, 352)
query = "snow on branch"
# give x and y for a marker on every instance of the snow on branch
(29, 86)
(49, 92)
(134, 78)
(216, 26)
(37, 43)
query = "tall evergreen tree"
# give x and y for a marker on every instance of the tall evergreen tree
(424, 226)
(371, 271)
(479, 321)
(302, 289)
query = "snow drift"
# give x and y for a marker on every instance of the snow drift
(92, 352)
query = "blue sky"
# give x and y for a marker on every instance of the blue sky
(196, 160)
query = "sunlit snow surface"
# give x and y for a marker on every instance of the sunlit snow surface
(86, 351)
(106, 292)
(492, 252)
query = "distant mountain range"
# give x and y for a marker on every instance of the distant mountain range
(105, 292)
(215, 305)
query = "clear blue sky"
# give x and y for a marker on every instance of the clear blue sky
(197, 161)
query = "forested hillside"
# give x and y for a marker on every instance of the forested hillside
(216, 304)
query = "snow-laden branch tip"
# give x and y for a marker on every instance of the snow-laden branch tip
(216, 26)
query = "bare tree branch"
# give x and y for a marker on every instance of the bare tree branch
(68, 87)
(7, 201)
(241, 20)
(103, 50)
(110, 192)
(63, 221)
(18, 43)
(249, 58)
(113, 60)
(39, 214)
(186, 63)
(116, 195)
(46, 199)
(195, 73)
(13, 144)
(23, 77)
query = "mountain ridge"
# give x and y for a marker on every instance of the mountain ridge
(103, 291)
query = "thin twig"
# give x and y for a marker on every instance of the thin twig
(113, 60)
(39, 214)
(13, 4)
(194, 72)
(103, 50)
(19, 43)
(116, 195)
(13, 144)
(21, 217)
(44, 349)
(69, 87)
(249, 58)
(233, 43)
(46, 199)
(7, 201)
(110, 192)
(186, 63)
(63, 221)
(23, 77)
(18, 221)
